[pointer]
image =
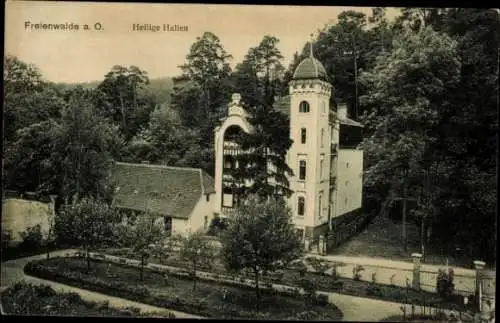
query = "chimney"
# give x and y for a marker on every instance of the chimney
(342, 110)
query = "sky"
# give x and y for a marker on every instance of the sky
(87, 55)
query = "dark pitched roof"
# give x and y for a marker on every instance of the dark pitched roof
(283, 105)
(164, 189)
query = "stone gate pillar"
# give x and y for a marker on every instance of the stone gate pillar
(479, 266)
(321, 245)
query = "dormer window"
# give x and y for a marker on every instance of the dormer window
(304, 107)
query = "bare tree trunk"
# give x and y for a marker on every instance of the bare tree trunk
(257, 289)
(422, 247)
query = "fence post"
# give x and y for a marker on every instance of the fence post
(416, 270)
(478, 265)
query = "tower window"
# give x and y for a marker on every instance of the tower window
(301, 204)
(322, 137)
(302, 170)
(321, 169)
(347, 165)
(303, 135)
(304, 107)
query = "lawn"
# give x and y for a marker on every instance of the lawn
(177, 293)
(27, 299)
(382, 238)
(324, 282)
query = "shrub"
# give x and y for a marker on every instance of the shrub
(444, 283)
(373, 290)
(356, 272)
(310, 287)
(31, 238)
(321, 299)
(217, 225)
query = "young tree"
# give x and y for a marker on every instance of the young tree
(198, 251)
(87, 223)
(261, 238)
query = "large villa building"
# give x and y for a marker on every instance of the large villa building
(325, 158)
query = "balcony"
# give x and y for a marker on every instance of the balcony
(227, 211)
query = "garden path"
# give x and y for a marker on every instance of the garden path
(12, 272)
(354, 308)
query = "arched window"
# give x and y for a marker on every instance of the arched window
(301, 206)
(304, 106)
(322, 137)
(302, 170)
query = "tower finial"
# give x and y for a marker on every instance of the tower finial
(311, 46)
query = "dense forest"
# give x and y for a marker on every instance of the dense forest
(425, 85)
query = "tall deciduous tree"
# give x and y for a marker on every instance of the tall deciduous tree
(207, 67)
(86, 146)
(261, 238)
(201, 93)
(122, 97)
(409, 88)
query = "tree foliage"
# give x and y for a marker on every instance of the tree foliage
(432, 109)
(259, 79)
(122, 97)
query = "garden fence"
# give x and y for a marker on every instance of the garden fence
(346, 230)
(379, 274)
